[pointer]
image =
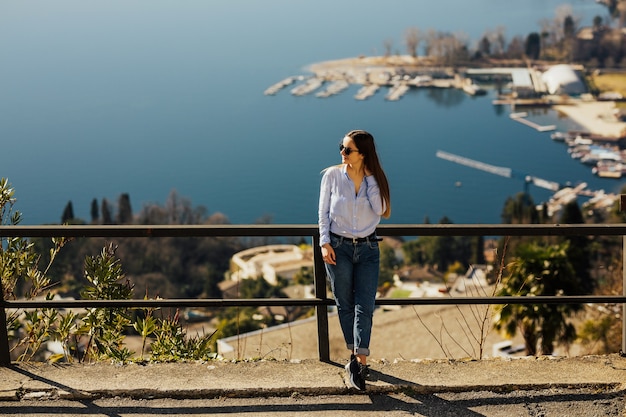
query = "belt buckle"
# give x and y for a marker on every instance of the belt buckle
(355, 240)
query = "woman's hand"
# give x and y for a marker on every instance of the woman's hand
(328, 254)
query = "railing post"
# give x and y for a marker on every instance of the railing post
(622, 207)
(5, 355)
(321, 311)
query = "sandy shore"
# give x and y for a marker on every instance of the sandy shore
(595, 116)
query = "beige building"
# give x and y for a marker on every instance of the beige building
(270, 262)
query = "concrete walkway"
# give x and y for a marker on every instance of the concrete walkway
(281, 378)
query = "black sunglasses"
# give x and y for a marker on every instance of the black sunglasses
(346, 150)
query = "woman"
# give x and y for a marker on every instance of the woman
(353, 197)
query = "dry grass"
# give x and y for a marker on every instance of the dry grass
(610, 82)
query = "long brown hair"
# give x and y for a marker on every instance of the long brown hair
(364, 142)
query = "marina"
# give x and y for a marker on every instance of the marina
(562, 194)
(606, 156)
(524, 87)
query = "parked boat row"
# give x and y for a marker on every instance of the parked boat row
(606, 157)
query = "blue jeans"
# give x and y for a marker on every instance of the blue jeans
(354, 281)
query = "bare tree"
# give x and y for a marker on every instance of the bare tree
(449, 48)
(412, 38)
(388, 45)
(555, 31)
(516, 47)
(498, 40)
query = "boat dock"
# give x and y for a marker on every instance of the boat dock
(335, 87)
(307, 87)
(606, 155)
(366, 91)
(279, 86)
(396, 92)
(521, 117)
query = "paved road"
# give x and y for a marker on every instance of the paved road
(535, 403)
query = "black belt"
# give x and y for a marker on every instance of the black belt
(371, 237)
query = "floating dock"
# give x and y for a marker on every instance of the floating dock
(520, 117)
(335, 87)
(366, 91)
(397, 91)
(279, 86)
(307, 87)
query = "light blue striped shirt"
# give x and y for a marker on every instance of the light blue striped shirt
(343, 212)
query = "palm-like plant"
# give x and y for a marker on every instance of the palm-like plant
(539, 270)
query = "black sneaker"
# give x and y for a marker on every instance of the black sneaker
(364, 371)
(355, 377)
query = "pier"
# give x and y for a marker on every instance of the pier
(521, 117)
(366, 91)
(397, 91)
(335, 87)
(279, 86)
(309, 86)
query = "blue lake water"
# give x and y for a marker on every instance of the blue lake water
(103, 98)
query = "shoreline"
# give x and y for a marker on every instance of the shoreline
(595, 116)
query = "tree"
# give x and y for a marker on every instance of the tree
(304, 276)
(493, 42)
(412, 251)
(124, 211)
(484, 46)
(449, 49)
(569, 33)
(388, 264)
(68, 213)
(388, 46)
(520, 210)
(412, 39)
(539, 270)
(95, 213)
(579, 246)
(516, 47)
(533, 45)
(107, 218)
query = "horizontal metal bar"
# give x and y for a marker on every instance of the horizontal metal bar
(158, 230)
(502, 230)
(173, 303)
(311, 230)
(258, 302)
(544, 299)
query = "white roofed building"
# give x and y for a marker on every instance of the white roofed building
(563, 79)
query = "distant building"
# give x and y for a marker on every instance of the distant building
(270, 262)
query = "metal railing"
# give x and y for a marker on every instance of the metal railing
(321, 301)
